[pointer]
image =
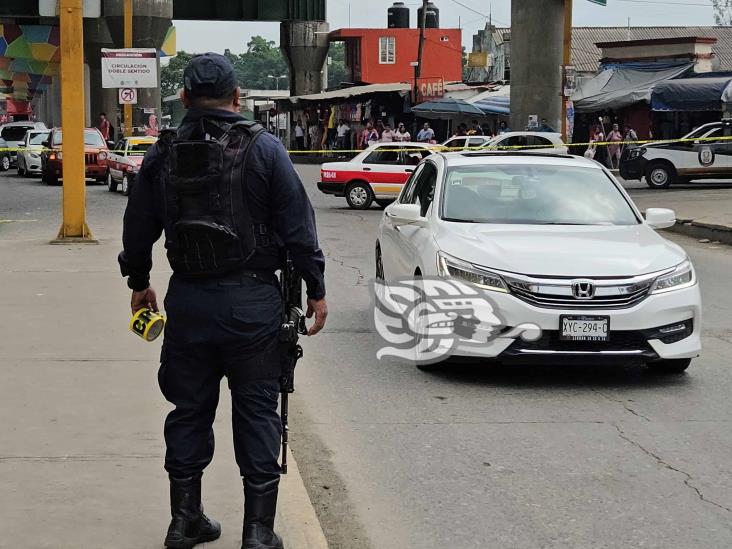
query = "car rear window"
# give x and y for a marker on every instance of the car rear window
(38, 138)
(14, 133)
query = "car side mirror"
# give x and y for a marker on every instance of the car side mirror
(46, 144)
(110, 144)
(660, 218)
(405, 213)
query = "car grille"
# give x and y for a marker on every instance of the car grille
(624, 341)
(558, 293)
(91, 158)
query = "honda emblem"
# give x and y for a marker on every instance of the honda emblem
(583, 289)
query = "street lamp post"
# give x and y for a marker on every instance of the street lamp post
(277, 78)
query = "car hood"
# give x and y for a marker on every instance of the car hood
(560, 250)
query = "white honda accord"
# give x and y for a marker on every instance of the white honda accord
(551, 241)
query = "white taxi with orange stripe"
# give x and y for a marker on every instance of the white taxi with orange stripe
(376, 174)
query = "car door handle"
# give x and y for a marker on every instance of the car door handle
(409, 170)
(367, 169)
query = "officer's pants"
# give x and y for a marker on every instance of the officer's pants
(226, 326)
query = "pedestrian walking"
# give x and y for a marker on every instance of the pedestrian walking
(314, 134)
(402, 134)
(300, 136)
(223, 305)
(597, 149)
(343, 131)
(104, 126)
(503, 127)
(426, 134)
(614, 150)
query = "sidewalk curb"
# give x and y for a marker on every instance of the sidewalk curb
(715, 233)
(296, 519)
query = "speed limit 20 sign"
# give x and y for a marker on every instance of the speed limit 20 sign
(128, 96)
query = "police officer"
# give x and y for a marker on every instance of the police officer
(229, 201)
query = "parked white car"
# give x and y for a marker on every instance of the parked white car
(14, 133)
(29, 157)
(467, 141)
(545, 142)
(552, 241)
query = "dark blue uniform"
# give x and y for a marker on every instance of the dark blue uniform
(225, 325)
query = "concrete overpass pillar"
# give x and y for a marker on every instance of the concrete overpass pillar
(151, 20)
(96, 37)
(537, 30)
(305, 45)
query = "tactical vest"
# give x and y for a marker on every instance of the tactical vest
(212, 231)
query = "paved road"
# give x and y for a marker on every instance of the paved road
(530, 457)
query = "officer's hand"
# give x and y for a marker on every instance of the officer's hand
(144, 299)
(319, 308)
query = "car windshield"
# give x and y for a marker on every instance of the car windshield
(38, 138)
(92, 138)
(138, 149)
(14, 133)
(698, 132)
(533, 194)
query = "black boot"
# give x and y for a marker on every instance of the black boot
(189, 525)
(260, 506)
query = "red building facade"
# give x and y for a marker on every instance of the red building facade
(385, 56)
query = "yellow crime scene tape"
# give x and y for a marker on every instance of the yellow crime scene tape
(440, 148)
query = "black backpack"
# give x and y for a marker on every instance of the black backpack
(212, 228)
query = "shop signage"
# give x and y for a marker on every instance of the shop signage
(429, 89)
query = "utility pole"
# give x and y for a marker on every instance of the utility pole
(73, 227)
(566, 61)
(128, 44)
(420, 52)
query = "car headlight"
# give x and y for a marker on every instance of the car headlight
(636, 153)
(681, 277)
(102, 156)
(448, 266)
(34, 155)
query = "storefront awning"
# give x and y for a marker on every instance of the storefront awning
(620, 86)
(446, 107)
(496, 101)
(354, 91)
(692, 94)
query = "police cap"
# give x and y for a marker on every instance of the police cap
(209, 75)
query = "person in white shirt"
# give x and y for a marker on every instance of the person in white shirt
(342, 133)
(402, 134)
(387, 136)
(300, 136)
(426, 134)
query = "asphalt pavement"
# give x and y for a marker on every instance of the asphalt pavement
(393, 458)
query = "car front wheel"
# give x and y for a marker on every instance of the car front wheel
(111, 183)
(659, 176)
(5, 163)
(675, 366)
(359, 195)
(125, 185)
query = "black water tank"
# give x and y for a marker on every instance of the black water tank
(398, 16)
(433, 16)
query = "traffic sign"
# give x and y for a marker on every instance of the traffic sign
(128, 96)
(130, 68)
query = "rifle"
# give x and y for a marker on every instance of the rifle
(292, 327)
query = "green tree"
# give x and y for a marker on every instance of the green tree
(262, 59)
(337, 68)
(722, 12)
(171, 75)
